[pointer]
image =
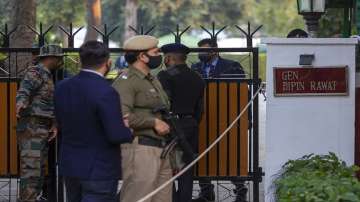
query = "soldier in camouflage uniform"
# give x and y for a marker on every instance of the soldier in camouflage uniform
(36, 125)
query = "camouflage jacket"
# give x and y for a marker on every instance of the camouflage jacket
(36, 93)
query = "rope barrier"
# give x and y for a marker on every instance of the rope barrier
(149, 195)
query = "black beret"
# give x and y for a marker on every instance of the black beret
(297, 33)
(175, 48)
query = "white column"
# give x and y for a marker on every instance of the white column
(297, 126)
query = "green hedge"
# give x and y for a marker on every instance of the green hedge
(317, 178)
(72, 65)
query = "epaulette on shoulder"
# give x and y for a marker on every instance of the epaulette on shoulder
(122, 76)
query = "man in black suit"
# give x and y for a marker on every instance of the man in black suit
(211, 65)
(88, 112)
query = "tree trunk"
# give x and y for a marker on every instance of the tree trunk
(93, 8)
(131, 8)
(23, 13)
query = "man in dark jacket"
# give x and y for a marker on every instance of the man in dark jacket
(211, 65)
(185, 89)
(89, 116)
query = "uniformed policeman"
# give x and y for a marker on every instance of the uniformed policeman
(185, 89)
(36, 125)
(141, 93)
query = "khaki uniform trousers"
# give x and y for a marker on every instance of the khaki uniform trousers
(143, 171)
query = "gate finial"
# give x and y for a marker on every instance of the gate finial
(70, 34)
(6, 36)
(41, 34)
(105, 34)
(178, 34)
(141, 32)
(249, 35)
(212, 34)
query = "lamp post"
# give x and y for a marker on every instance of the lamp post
(311, 10)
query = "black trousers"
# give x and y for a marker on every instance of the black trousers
(206, 187)
(185, 187)
(185, 182)
(49, 185)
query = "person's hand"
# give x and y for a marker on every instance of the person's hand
(52, 133)
(19, 107)
(161, 127)
(126, 120)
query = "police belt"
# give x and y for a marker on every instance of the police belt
(150, 141)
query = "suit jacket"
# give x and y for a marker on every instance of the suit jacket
(223, 66)
(89, 116)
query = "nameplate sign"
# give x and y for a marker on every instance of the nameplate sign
(310, 81)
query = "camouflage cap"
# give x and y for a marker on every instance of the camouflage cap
(51, 50)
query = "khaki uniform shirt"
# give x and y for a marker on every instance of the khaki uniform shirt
(140, 94)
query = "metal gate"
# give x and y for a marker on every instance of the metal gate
(235, 158)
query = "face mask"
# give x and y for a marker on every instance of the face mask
(154, 61)
(108, 67)
(204, 57)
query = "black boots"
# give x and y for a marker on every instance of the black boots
(205, 197)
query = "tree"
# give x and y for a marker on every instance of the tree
(114, 16)
(168, 13)
(131, 12)
(278, 16)
(55, 12)
(93, 18)
(331, 23)
(4, 12)
(23, 13)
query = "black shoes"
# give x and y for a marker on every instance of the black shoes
(240, 194)
(205, 197)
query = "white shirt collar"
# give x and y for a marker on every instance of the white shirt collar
(92, 71)
(214, 63)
